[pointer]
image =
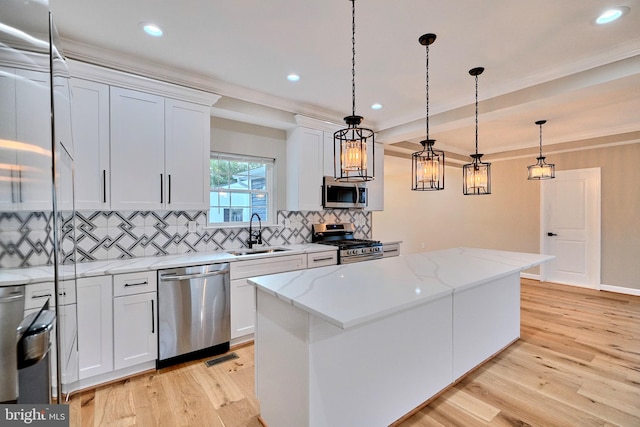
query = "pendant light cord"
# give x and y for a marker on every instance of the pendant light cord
(427, 91)
(353, 57)
(476, 114)
(540, 139)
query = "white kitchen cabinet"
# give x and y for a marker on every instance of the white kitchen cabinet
(67, 322)
(90, 112)
(35, 296)
(187, 145)
(135, 329)
(25, 108)
(243, 295)
(243, 308)
(305, 168)
(375, 188)
(137, 150)
(330, 165)
(95, 325)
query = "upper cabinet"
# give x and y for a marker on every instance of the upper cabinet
(305, 153)
(187, 149)
(90, 113)
(137, 150)
(375, 188)
(140, 144)
(25, 125)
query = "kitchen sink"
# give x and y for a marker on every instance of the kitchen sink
(243, 252)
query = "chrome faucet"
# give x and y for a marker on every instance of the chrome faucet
(254, 235)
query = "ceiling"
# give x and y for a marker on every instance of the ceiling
(543, 60)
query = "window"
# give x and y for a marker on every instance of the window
(240, 187)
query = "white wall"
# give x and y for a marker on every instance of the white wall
(507, 219)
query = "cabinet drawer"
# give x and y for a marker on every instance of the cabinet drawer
(269, 265)
(391, 250)
(134, 283)
(36, 294)
(320, 259)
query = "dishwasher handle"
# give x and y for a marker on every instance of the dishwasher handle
(171, 278)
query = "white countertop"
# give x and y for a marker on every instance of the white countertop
(29, 275)
(351, 294)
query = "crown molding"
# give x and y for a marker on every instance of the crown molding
(94, 55)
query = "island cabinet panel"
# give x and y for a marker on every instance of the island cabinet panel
(347, 377)
(486, 320)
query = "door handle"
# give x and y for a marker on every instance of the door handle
(551, 234)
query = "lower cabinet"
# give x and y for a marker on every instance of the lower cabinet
(95, 326)
(243, 295)
(243, 308)
(117, 324)
(35, 295)
(134, 329)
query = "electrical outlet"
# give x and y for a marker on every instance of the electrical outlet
(423, 245)
(191, 226)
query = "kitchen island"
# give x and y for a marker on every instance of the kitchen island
(367, 343)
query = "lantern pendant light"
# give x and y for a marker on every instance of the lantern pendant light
(542, 169)
(354, 146)
(476, 176)
(428, 164)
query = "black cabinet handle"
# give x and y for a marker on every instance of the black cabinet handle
(126, 285)
(551, 234)
(153, 319)
(20, 184)
(104, 186)
(161, 189)
(169, 189)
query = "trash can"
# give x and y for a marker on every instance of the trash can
(34, 343)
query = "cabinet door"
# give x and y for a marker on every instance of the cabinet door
(137, 150)
(187, 146)
(90, 122)
(134, 329)
(375, 188)
(330, 164)
(305, 154)
(243, 308)
(33, 128)
(67, 322)
(95, 326)
(8, 133)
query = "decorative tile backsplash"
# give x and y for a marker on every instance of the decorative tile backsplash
(26, 239)
(103, 235)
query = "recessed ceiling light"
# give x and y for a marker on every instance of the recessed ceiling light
(293, 77)
(376, 106)
(152, 29)
(611, 15)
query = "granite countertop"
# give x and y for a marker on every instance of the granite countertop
(29, 275)
(352, 294)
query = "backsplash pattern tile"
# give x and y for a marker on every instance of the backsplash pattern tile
(103, 235)
(26, 239)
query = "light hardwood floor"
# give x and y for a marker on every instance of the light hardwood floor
(577, 363)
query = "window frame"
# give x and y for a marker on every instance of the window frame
(270, 174)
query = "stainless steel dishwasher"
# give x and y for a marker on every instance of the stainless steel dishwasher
(193, 313)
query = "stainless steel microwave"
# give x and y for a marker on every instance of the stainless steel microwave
(343, 195)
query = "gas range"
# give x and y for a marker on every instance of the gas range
(350, 249)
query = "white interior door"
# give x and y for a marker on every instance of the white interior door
(570, 227)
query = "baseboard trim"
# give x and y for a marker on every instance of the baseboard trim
(530, 276)
(620, 289)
